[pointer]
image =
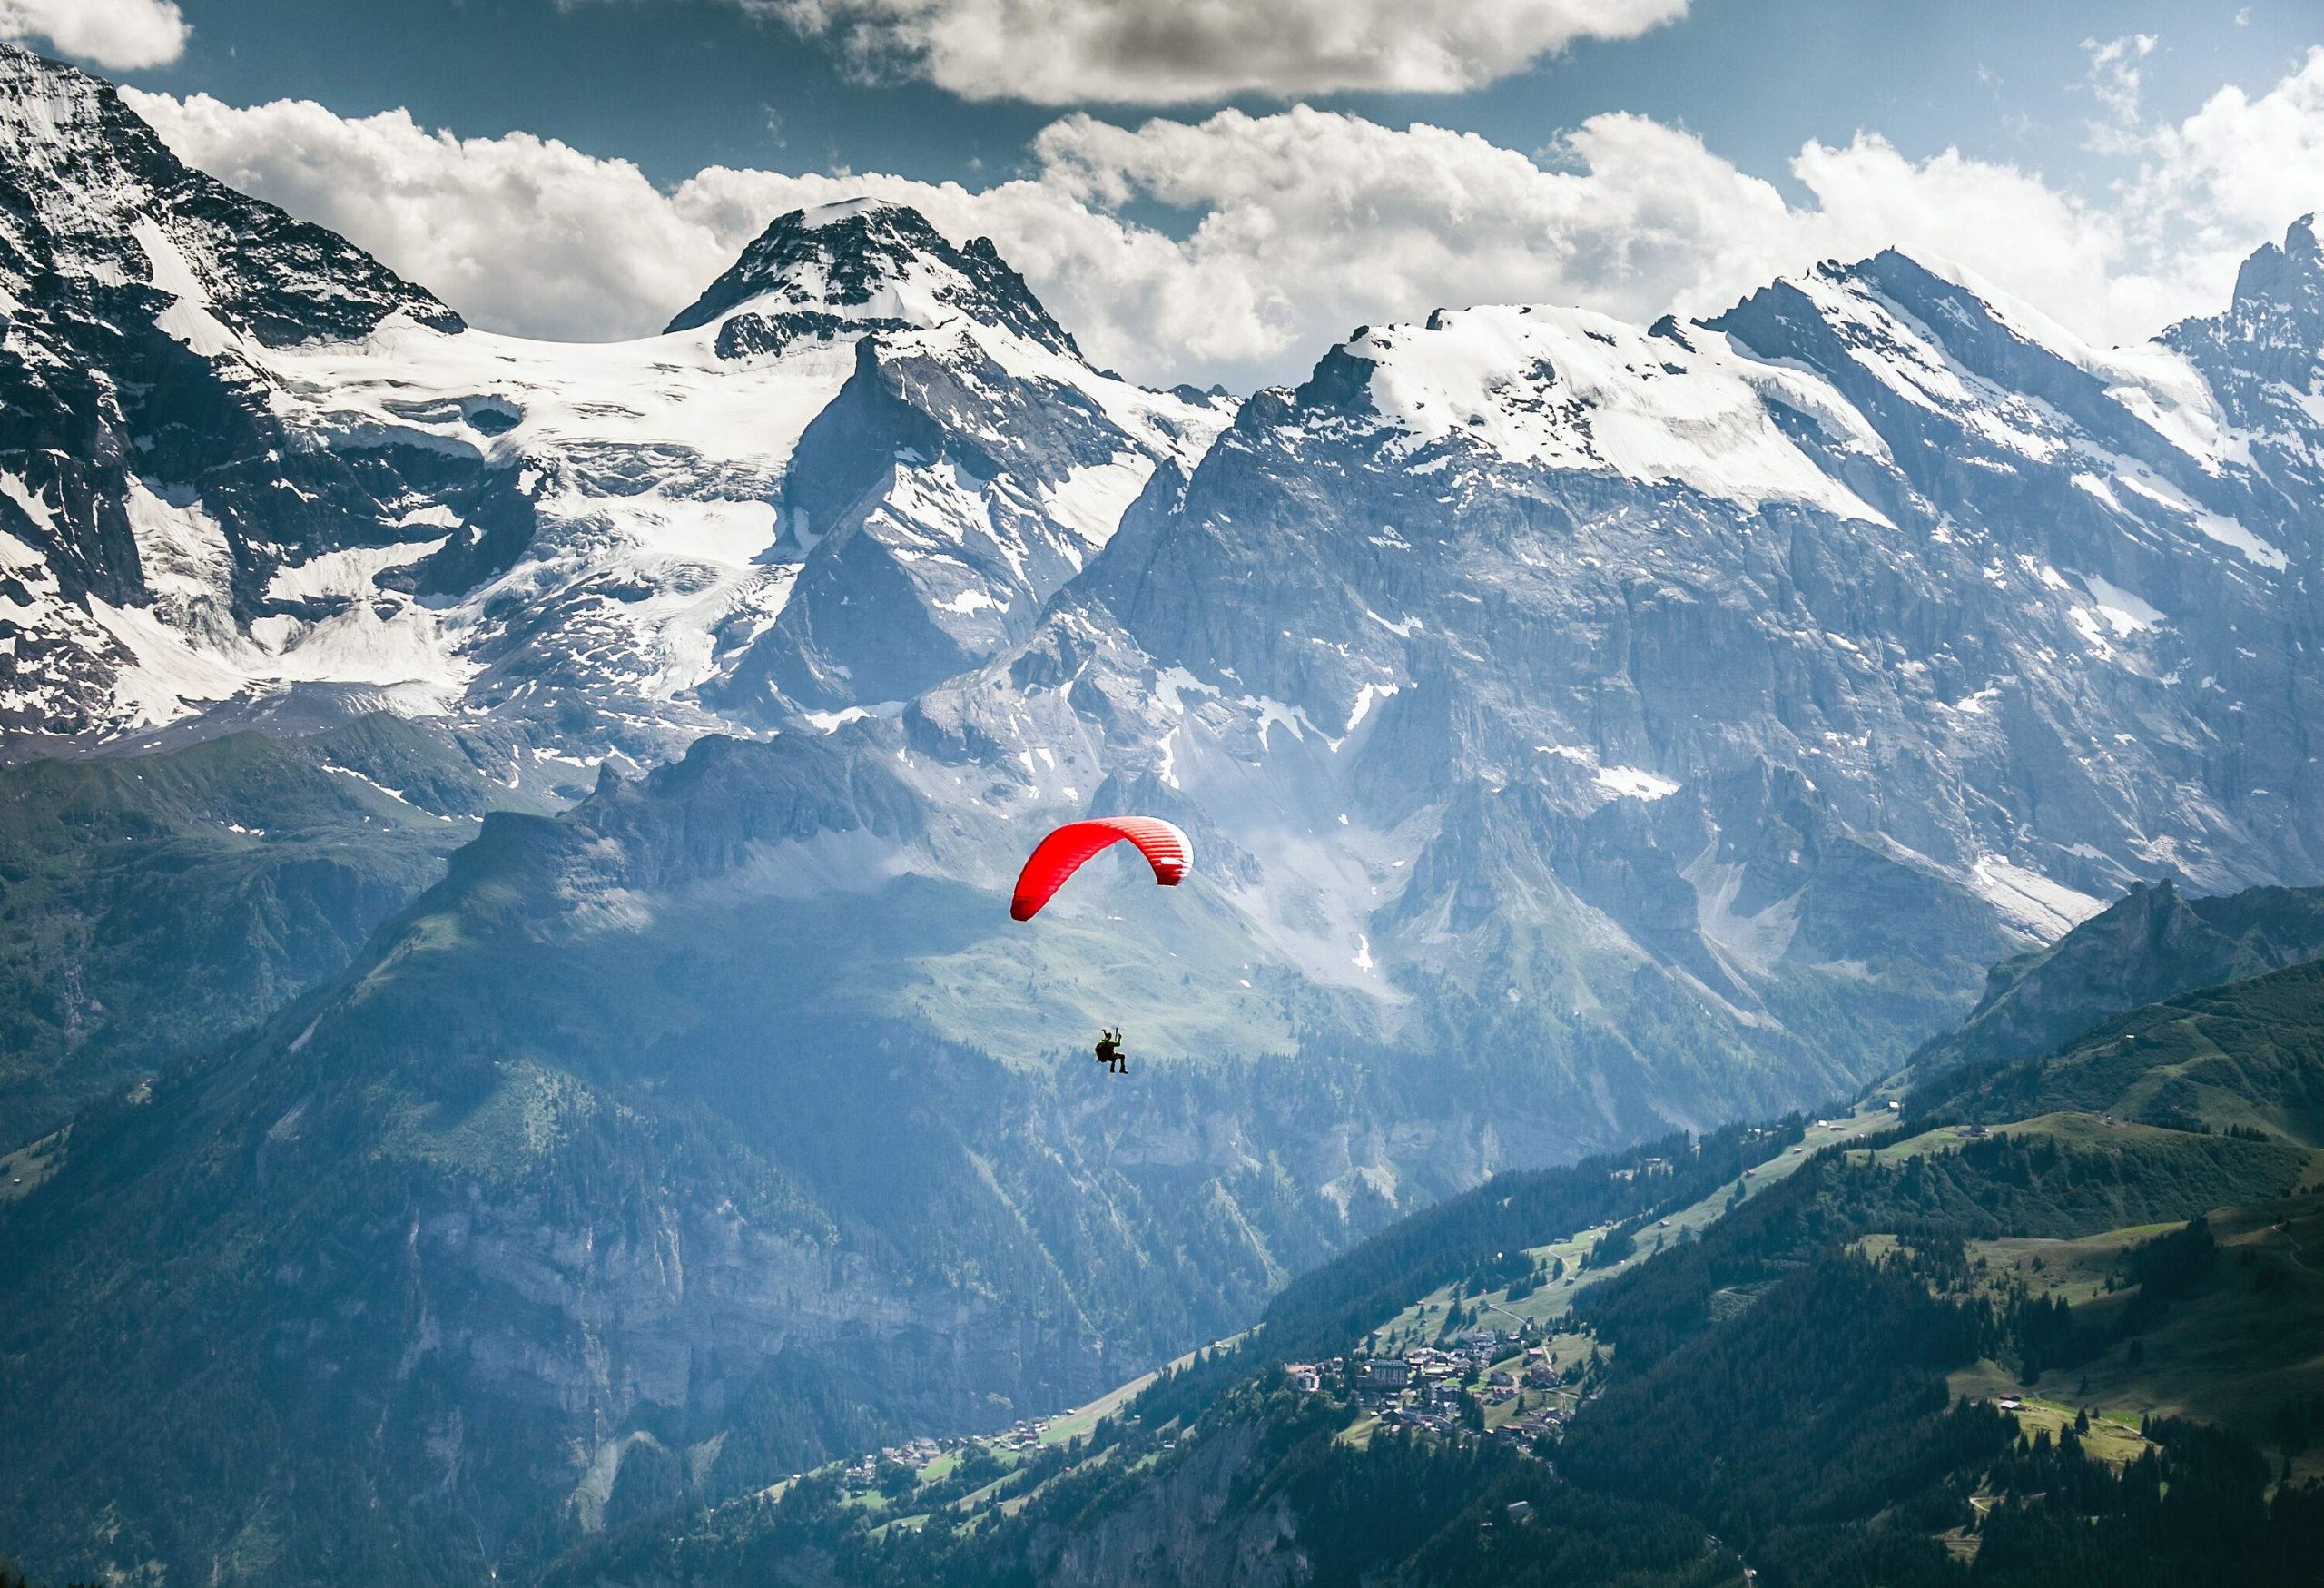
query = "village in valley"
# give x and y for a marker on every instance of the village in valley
(1521, 1386)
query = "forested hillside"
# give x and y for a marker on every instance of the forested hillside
(152, 905)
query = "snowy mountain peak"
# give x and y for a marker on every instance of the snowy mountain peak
(340, 487)
(90, 199)
(2261, 358)
(1568, 388)
(817, 216)
(2283, 282)
(863, 262)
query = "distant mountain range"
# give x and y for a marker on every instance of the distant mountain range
(1584, 730)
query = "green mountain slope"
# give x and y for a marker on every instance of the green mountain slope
(665, 1148)
(533, 1222)
(2151, 944)
(2248, 1055)
(151, 903)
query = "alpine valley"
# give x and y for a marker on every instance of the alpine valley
(509, 1024)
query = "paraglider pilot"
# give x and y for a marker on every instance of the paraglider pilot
(1109, 1051)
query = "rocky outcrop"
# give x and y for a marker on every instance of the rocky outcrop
(1195, 1526)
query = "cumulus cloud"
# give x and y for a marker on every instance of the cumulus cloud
(1303, 224)
(518, 233)
(1171, 51)
(124, 34)
(2239, 165)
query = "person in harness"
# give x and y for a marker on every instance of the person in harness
(1109, 1051)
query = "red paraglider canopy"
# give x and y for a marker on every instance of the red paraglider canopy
(1060, 854)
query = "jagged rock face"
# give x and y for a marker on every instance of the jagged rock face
(1538, 672)
(84, 178)
(1694, 711)
(875, 263)
(1718, 651)
(145, 487)
(939, 500)
(2260, 357)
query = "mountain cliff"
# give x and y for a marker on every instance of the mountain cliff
(2149, 945)
(153, 905)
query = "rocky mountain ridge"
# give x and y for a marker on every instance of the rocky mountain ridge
(2151, 944)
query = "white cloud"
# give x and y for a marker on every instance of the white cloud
(2239, 165)
(517, 232)
(1173, 52)
(2116, 79)
(1303, 224)
(2073, 259)
(124, 34)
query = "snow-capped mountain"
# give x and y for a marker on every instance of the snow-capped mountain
(149, 495)
(1864, 629)
(1549, 669)
(1693, 711)
(969, 467)
(1762, 653)
(313, 474)
(862, 265)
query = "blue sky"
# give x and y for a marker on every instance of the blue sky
(1220, 205)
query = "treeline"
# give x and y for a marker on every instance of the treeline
(1477, 1239)
(1776, 1398)
(1790, 1395)
(1809, 1438)
(1824, 1401)
(2000, 1185)
(1814, 1432)
(1415, 1509)
(2193, 1510)
(2166, 1269)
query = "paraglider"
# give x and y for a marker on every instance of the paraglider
(1063, 852)
(1058, 856)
